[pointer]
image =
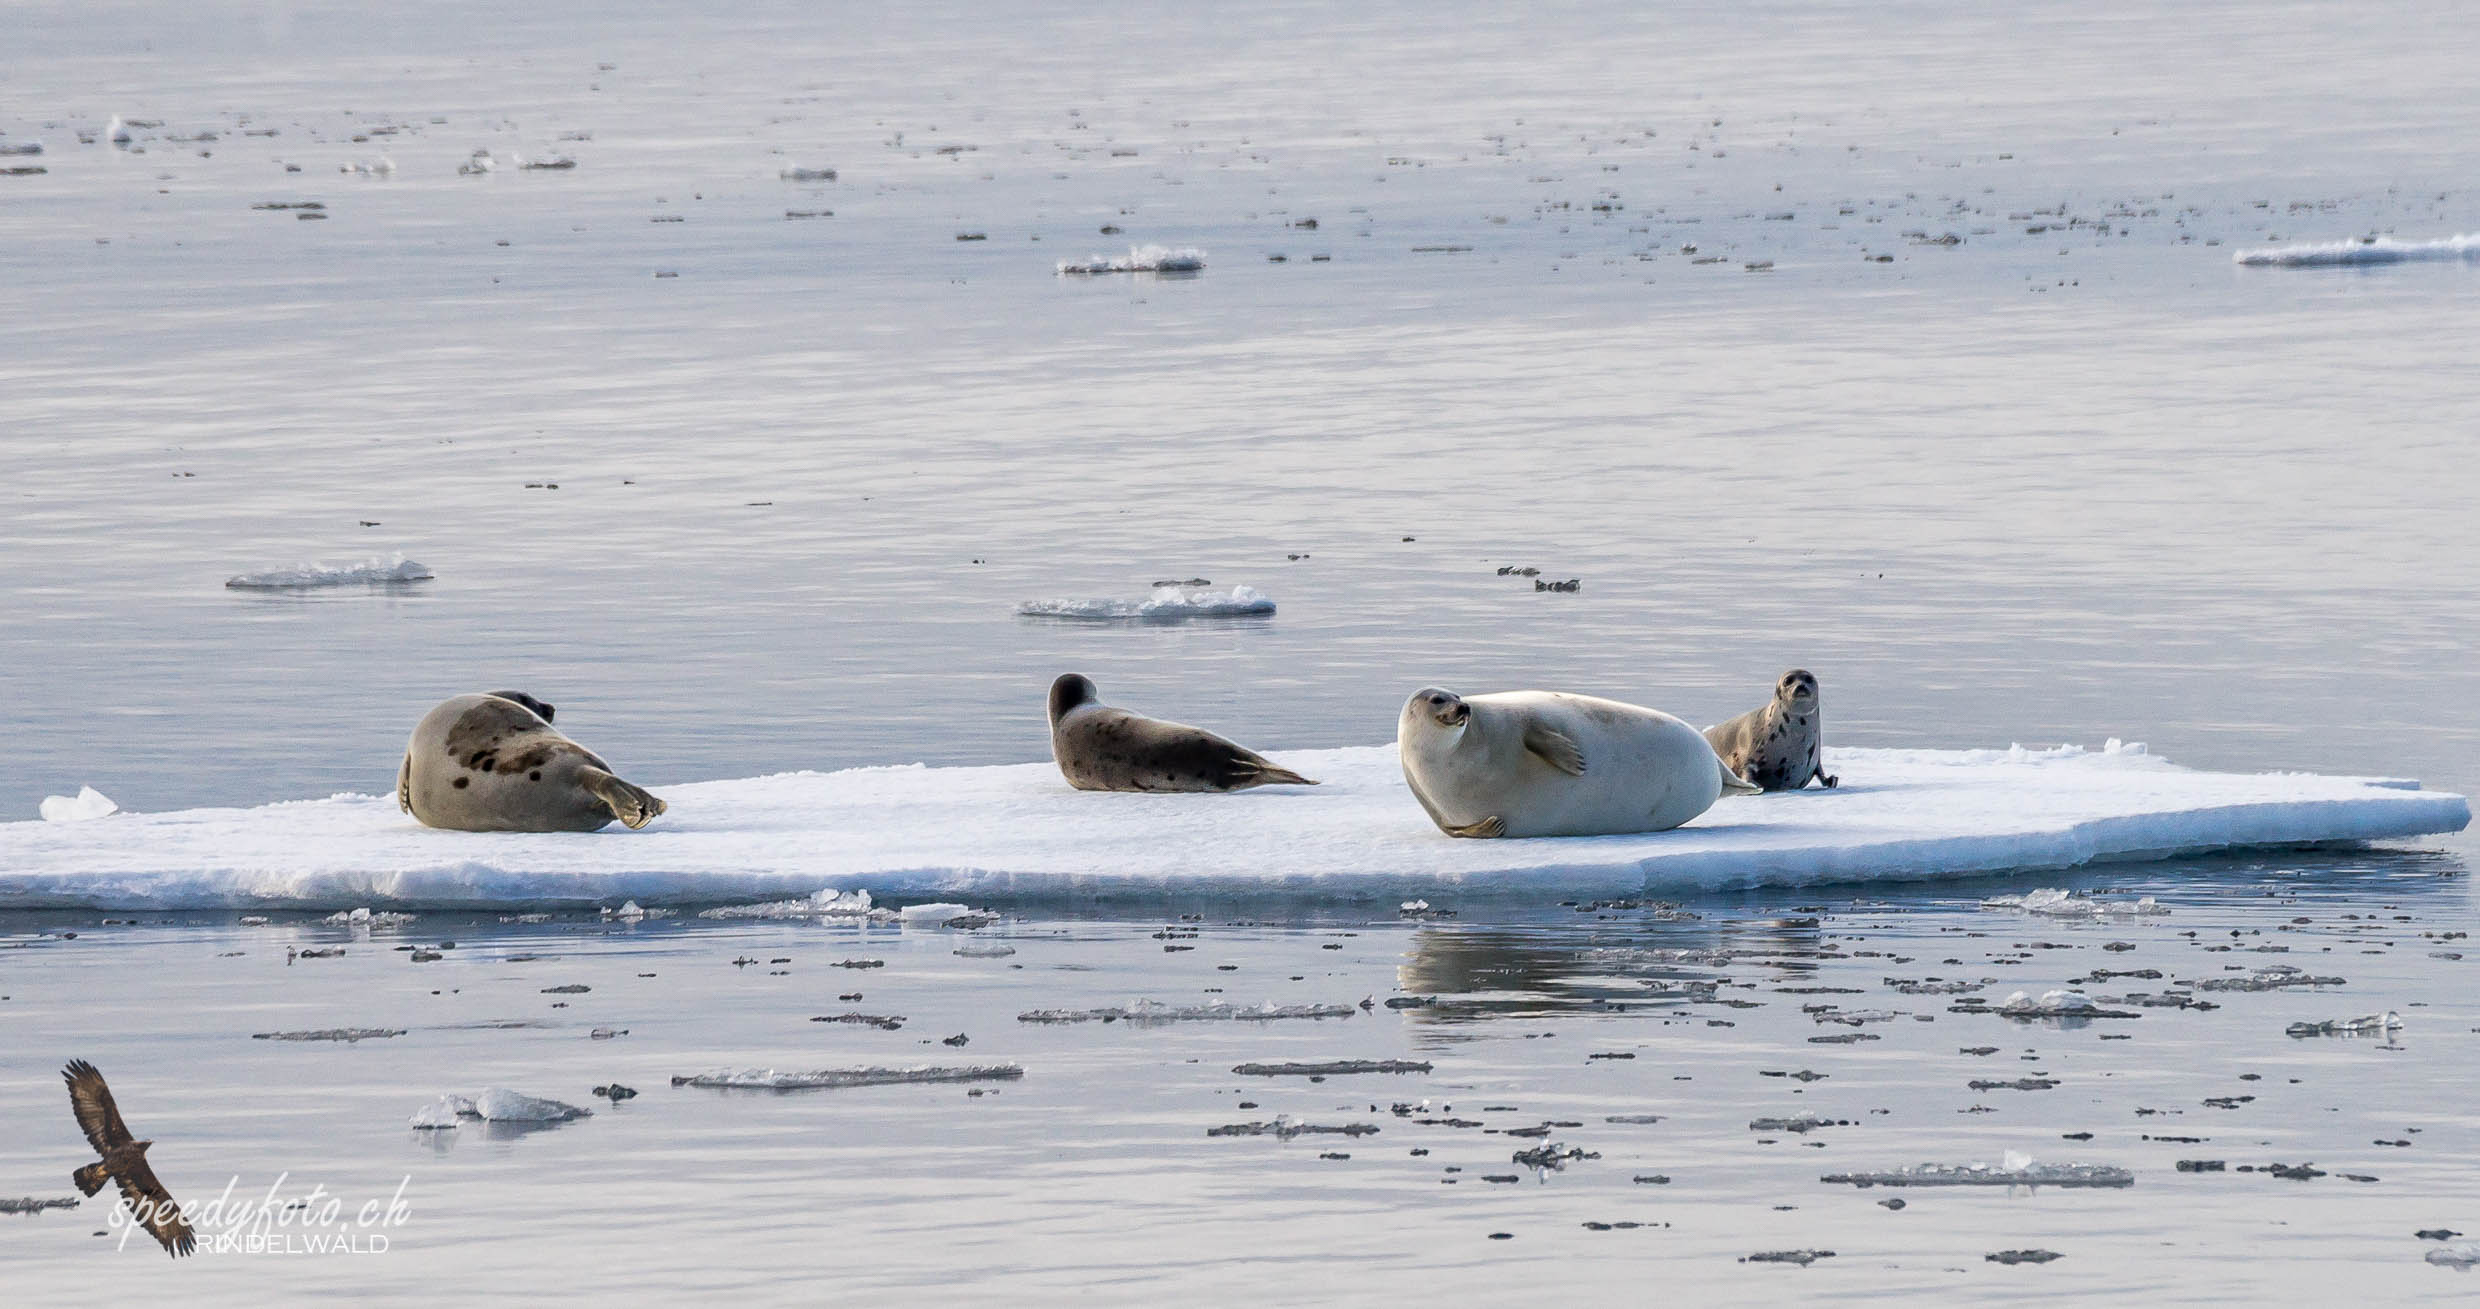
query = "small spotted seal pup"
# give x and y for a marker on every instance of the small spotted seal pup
(493, 763)
(1100, 748)
(1545, 763)
(1778, 747)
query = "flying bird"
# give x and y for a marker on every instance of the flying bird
(124, 1160)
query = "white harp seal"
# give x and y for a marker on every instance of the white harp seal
(1546, 763)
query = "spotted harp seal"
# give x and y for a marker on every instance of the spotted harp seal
(1100, 748)
(493, 763)
(1778, 747)
(1546, 763)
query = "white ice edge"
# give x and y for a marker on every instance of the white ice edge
(1018, 832)
(2371, 250)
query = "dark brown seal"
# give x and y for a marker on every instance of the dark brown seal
(1100, 748)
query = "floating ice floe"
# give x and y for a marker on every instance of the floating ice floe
(2052, 1004)
(632, 912)
(823, 903)
(477, 164)
(1332, 1068)
(2365, 1025)
(767, 1079)
(369, 572)
(978, 834)
(2461, 1254)
(555, 163)
(1285, 1127)
(1167, 604)
(2051, 902)
(2366, 250)
(368, 918)
(807, 174)
(117, 132)
(2017, 1170)
(348, 1035)
(1155, 1011)
(496, 1104)
(1139, 259)
(2274, 978)
(380, 167)
(87, 803)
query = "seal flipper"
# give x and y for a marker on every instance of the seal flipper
(632, 805)
(404, 783)
(1556, 748)
(1733, 783)
(1257, 770)
(1487, 827)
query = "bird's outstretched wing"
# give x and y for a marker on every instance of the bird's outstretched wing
(91, 1101)
(155, 1208)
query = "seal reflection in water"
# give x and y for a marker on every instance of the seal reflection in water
(1546, 763)
(1100, 748)
(494, 763)
(1781, 746)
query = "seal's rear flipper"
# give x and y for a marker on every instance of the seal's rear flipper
(1487, 827)
(1733, 783)
(632, 805)
(1264, 773)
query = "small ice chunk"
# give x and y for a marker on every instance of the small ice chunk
(632, 912)
(932, 914)
(446, 1111)
(1139, 259)
(1166, 604)
(767, 1079)
(117, 132)
(2364, 1025)
(477, 164)
(374, 571)
(87, 803)
(984, 951)
(1285, 1127)
(2461, 1254)
(20, 148)
(498, 1104)
(807, 174)
(1332, 1068)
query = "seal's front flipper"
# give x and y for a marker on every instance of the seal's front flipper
(1829, 782)
(1487, 827)
(1556, 748)
(404, 784)
(632, 805)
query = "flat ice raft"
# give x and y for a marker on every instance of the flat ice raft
(1020, 832)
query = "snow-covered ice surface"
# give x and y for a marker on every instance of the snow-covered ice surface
(1019, 832)
(1164, 604)
(301, 577)
(2367, 250)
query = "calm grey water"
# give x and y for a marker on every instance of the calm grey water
(2055, 485)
